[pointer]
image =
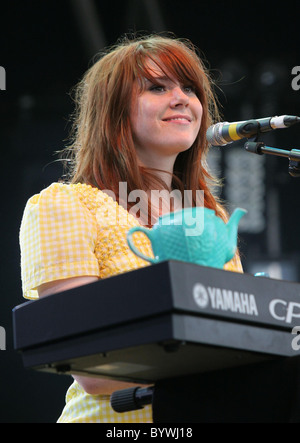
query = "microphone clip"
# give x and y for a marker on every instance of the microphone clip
(293, 155)
(294, 168)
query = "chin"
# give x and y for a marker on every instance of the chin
(184, 147)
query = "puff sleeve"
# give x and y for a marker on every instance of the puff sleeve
(57, 239)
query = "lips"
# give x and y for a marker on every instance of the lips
(178, 117)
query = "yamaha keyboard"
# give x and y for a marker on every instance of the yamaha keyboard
(166, 320)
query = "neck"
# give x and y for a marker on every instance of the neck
(163, 167)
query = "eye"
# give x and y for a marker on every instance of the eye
(189, 89)
(157, 88)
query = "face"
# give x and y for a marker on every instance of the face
(165, 118)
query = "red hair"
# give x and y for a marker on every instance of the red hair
(102, 149)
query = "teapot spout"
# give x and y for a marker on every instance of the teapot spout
(232, 228)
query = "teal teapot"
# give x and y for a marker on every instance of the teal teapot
(194, 235)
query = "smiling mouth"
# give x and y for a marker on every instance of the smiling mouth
(178, 119)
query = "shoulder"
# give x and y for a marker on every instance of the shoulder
(59, 203)
(61, 194)
(63, 203)
(56, 192)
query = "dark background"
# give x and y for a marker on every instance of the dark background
(45, 48)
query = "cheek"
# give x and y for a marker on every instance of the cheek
(134, 115)
(199, 109)
(145, 118)
(140, 122)
(199, 112)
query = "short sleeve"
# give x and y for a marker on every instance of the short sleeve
(57, 238)
(234, 265)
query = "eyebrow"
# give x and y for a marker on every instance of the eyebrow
(158, 78)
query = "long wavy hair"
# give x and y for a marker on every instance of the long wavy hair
(101, 152)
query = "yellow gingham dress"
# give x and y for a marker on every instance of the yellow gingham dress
(71, 230)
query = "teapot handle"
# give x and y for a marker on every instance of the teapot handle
(134, 248)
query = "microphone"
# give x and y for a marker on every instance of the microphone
(131, 399)
(224, 133)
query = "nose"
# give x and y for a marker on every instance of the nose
(179, 97)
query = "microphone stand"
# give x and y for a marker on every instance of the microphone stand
(294, 155)
(131, 399)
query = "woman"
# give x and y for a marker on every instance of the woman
(142, 114)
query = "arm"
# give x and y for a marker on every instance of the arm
(53, 287)
(102, 386)
(93, 386)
